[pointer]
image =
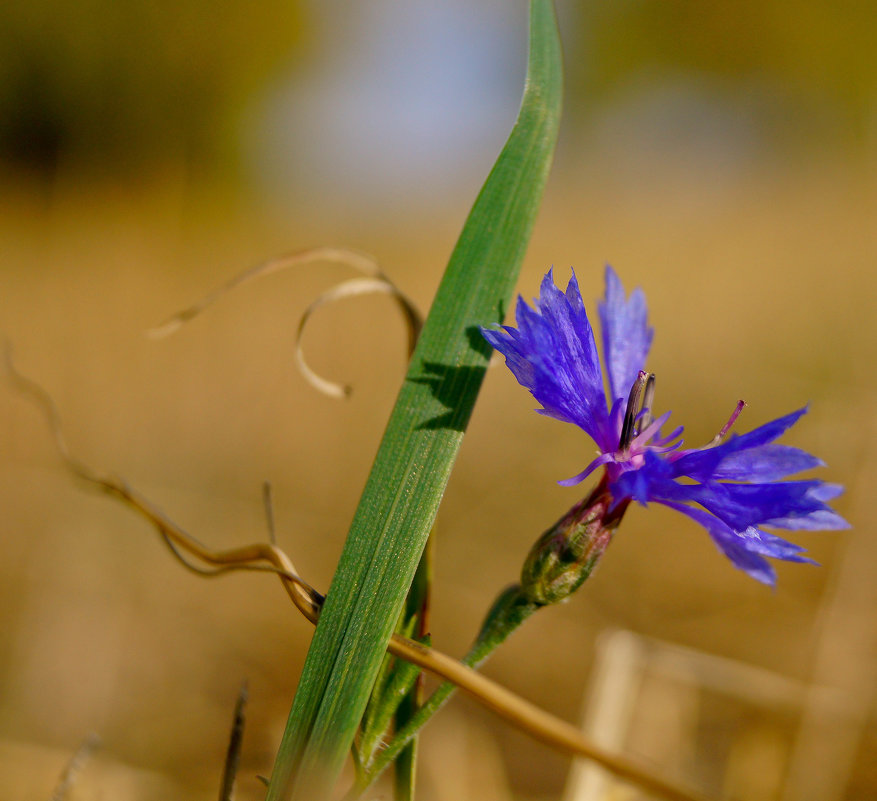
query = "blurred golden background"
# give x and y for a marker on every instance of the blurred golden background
(722, 158)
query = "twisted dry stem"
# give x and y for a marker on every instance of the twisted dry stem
(268, 557)
(372, 281)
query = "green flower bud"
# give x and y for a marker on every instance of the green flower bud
(564, 556)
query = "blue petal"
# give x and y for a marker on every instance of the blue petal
(552, 353)
(744, 552)
(626, 335)
(633, 484)
(768, 544)
(786, 504)
(764, 463)
(703, 463)
(825, 491)
(657, 468)
(647, 483)
(744, 505)
(602, 459)
(819, 519)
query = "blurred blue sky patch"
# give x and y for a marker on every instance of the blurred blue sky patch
(405, 99)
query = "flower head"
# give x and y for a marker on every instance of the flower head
(731, 486)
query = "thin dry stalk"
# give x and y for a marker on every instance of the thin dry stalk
(235, 742)
(74, 766)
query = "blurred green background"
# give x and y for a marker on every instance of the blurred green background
(721, 157)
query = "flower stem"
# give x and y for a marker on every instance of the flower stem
(509, 611)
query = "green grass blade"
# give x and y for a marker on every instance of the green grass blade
(411, 469)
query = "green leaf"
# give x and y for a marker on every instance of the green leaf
(421, 441)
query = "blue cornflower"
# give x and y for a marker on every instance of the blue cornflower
(732, 488)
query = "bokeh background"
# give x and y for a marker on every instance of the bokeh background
(723, 157)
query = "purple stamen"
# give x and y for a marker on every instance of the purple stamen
(648, 398)
(741, 405)
(677, 432)
(634, 407)
(641, 439)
